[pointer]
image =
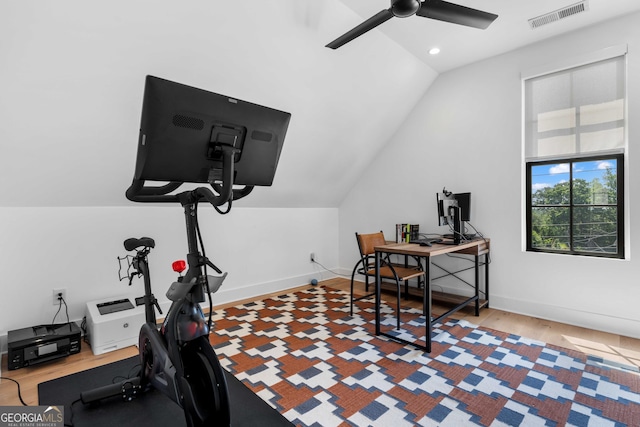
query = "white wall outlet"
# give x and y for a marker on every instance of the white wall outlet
(312, 257)
(56, 293)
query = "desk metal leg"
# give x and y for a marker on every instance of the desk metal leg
(486, 278)
(477, 274)
(426, 301)
(377, 285)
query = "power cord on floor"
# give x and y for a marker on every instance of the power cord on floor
(19, 392)
(25, 404)
(331, 271)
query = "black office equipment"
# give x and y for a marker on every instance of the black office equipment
(188, 134)
(430, 242)
(454, 210)
(449, 213)
(30, 346)
(426, 242)
(464, 203)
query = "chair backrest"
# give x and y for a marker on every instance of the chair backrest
(366, 242)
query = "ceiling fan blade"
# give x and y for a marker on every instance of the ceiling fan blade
(456, 14)
(367, 25)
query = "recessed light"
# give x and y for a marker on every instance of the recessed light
(434, 51)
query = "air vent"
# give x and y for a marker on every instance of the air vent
(559, 14)
(188, 122)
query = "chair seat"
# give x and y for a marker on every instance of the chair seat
(404, 273)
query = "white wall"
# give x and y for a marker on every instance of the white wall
(263, 250)
(465, 134)
(71, 85)
(72, 79)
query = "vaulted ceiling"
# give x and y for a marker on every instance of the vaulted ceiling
(72, 78)
(460, 45)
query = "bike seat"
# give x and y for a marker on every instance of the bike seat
(133, 243)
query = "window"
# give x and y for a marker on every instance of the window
(575, 136)
(575, 206)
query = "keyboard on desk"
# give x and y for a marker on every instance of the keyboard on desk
(426, 242)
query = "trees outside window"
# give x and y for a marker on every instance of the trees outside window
(575, 206)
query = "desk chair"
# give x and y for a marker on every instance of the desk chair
(366, 267)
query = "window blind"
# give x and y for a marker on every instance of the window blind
(576, 112)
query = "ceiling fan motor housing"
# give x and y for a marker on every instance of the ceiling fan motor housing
(404, 8)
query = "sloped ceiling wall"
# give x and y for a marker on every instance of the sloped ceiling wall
(72, 76)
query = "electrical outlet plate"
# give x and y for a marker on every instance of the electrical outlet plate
(62, 291)
(312, 257)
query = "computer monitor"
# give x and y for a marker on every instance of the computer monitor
(464, 203)
(183, 132)
(446, 202)
(454, 210)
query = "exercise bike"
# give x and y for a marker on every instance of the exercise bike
(177, 359)
(189, 135)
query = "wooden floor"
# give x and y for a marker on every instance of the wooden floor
(609, 346)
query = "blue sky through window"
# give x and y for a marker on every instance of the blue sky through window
(548, 175)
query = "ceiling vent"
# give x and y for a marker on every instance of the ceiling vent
(559, 14)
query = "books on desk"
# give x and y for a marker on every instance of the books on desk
(407, 232)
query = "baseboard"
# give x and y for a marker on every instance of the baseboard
(232, 294)
(596, 321)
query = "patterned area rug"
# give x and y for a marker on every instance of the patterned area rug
(318, 366)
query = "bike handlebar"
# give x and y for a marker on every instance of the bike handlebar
(138, 192)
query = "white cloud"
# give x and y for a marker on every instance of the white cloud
(539, 186)
(561, 168)
(604, 165)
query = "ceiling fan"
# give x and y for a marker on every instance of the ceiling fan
(434, 9)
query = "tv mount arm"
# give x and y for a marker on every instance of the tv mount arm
(138, 192)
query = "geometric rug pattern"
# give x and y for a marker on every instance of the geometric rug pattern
(318, 366)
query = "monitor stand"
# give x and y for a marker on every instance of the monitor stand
(457, 228)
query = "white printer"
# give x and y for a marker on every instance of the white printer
(113, 323)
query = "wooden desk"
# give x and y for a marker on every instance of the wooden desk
(475, 248)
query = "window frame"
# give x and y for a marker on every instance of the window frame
(620, 205)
